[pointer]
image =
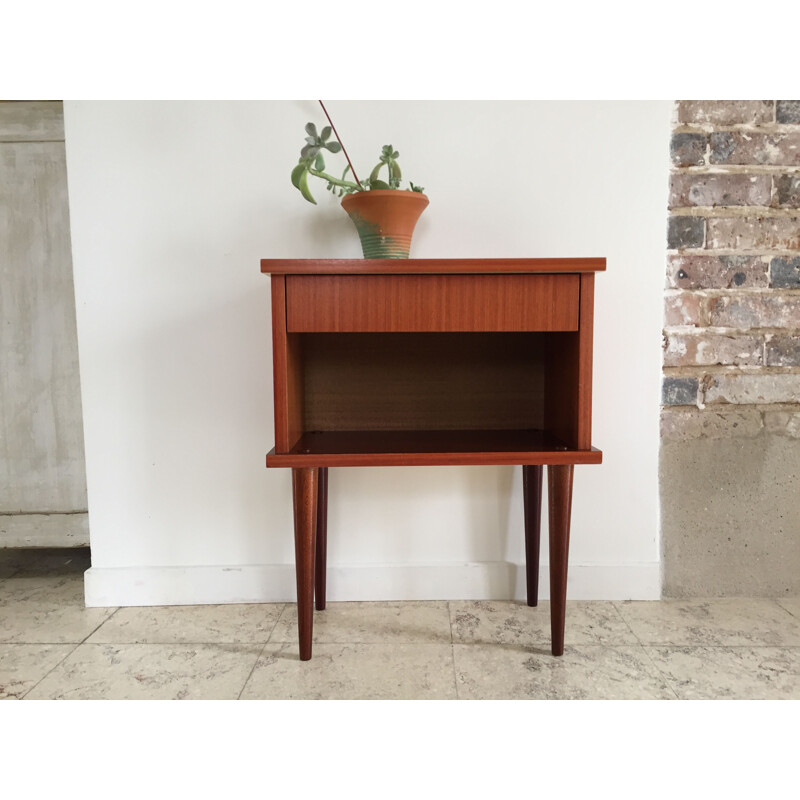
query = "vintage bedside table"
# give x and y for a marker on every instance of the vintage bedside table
(432, 362)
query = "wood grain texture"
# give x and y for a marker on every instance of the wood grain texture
(435, 303)
(585, 353)
(559, 496)
(287, 372)
(428, 448)
(532, 505)
(304, 493)
(568, 401)
(279, 364)
(385, 381)
(381, 364)
(407, 266)
(321, 563)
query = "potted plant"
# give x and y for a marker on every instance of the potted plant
(384, 214)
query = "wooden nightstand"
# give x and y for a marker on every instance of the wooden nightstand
(432, 362)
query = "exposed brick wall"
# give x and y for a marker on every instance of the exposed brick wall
(732, 300)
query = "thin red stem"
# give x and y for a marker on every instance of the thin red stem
(352, 169)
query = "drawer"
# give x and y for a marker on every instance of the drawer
(435, 303)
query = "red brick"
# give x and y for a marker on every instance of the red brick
(787, 191)
(787, 112)
(719, 190)
(706, 349)
(735, 147)
(783, 350)
(688, 149)
(726, 112)
(784, 273)
(685, 308)
(753, 233)
(746, 311)
(754, 388)
(716, 272)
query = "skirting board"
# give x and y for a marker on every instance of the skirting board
(275, 583)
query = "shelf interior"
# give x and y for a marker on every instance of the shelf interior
(426, 441)
(433, 393)
(423, 381)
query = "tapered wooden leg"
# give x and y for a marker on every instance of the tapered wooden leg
(532, 500)
(304, 491)
(559, 495)
(322, 538)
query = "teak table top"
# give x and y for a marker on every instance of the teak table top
(400, 266)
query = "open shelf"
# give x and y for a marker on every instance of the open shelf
(422, 381)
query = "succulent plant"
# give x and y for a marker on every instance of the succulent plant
(312, 163)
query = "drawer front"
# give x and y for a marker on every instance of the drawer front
(435, 303)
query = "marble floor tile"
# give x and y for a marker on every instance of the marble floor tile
(232, 624)
(584, 672)
(729, 673)
(371, 622)
(22, 666)
(791, 604)
(390, 671)
(511, 622)
(150, 672)
(46, 610)
(711, 622)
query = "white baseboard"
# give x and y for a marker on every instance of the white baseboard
(275, 583)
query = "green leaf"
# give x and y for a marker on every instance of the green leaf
(303, 187)
(296, 173)
(334, 147)
(319, 164)
(311, 129)
(326, 133)
(375, 184)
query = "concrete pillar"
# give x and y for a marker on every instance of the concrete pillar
(42, 468)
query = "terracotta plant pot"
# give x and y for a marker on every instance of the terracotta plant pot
(385, 220)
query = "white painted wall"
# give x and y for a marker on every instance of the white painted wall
(173, 204)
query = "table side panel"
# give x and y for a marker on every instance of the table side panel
(286, 371)
(568, 377)
(585, 356)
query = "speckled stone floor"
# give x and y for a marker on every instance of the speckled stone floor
(52, 647)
